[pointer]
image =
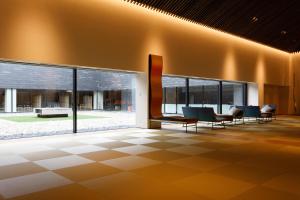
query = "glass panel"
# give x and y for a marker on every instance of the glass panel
(181, 96)
(174, 91)
(204, 93)
(38, 100)
(233, 94)
(106, 100)
(2, 100)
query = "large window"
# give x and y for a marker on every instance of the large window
(174, 94)
(28, 89)
(204, 93)
(179, 92)
(232, 94)
(105, 99)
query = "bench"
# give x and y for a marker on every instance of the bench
(177, 120)
(53, 112)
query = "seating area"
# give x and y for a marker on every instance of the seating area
(242, 113)
(192, 116)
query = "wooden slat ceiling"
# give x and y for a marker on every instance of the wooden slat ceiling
(275, 23)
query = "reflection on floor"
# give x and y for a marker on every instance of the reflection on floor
(245, 162)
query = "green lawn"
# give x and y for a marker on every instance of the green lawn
(38, 119)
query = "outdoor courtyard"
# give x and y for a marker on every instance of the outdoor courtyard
(16, 125)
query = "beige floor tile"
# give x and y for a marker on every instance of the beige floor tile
(162, 137)
(112, 145)
(189, 150)
(163, 155)
(263, 193)
(289, 182)
(20, 170)
(23, 185)
(162, 145)
(85, 172)
(214, 145)
(136, 149)
(130, 162)
(104, 155)
(251, 162)
(118, 186)
(129, 186)
(291, 149)
(69, 192)
(225, 156)
(200, 163)
(45, 155)
(275, 161)
(121, 137)
(166, 172)
(184, 141)
(213, 186)
(140, 141)
(249, 174)
(181, 135)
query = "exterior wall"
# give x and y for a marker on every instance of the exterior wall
(119, 35)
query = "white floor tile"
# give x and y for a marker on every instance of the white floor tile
(63, 162)
(22, 185)
(31, 148)
(11, 159)
(96, 140)
(83, 149)
(142, 135)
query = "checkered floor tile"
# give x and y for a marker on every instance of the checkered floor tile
(244, 162)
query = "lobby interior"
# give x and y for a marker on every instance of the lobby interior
(124, 71)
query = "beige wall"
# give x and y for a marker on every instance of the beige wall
(116, 34)
(295, 84)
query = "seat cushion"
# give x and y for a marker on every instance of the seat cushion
(234, 111)
(267, 109)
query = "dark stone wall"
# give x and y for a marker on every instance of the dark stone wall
(38, 77)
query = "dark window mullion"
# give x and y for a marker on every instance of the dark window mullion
(245, 94)
(187, 94)
(220, 97)
(74, 100)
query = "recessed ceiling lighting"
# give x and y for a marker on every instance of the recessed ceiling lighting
(283, 32)
(254, 19)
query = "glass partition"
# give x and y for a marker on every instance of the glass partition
(174, 92)
(232, 94)
(38, 100)
(204, 93)
(106, 100)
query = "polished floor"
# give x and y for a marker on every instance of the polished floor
(244, 162)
